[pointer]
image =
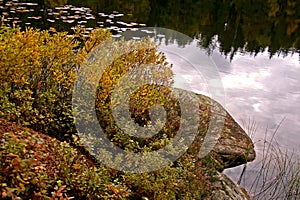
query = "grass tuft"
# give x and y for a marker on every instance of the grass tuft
(276, 172)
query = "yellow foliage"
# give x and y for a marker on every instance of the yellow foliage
(37, 72)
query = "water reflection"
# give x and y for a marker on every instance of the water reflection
(258, 88)
(62, 17)
(266, 89)
(241, 26)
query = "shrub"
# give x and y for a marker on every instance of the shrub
(36, 166)
(38, 70)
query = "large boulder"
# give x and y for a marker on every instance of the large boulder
(232, 145)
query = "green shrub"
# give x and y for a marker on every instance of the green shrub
(38, 70)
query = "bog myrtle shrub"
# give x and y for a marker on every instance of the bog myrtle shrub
(38, 70)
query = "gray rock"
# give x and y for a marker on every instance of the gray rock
(232, 145)
(225, 189)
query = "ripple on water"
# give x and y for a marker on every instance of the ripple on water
(68, 14)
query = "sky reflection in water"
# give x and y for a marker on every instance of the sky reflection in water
(256, 87)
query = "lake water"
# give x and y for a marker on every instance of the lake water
(254, 46)
(257, 89)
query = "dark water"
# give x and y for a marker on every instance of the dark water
(241, 26)
(254, 44)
